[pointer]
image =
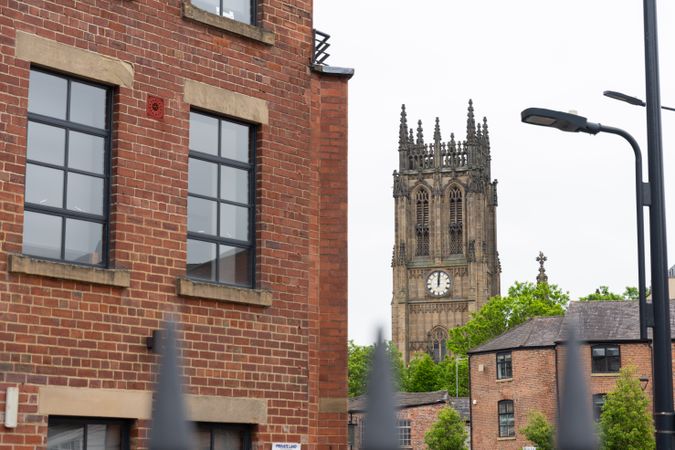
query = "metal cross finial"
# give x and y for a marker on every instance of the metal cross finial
(542, 277)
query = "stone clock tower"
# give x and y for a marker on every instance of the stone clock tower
(445, 262)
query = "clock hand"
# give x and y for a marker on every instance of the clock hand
(438, 279)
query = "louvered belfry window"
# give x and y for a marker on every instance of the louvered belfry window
(422, 227)
(456, 222)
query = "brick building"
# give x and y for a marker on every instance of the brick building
(171, 157)
(521, 370)
(417, 412)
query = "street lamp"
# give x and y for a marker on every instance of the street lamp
(574, 123)
(659, 310)
(629, 99)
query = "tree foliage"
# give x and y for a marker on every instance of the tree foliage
(625, 421)
(448, 432)
(499, 314)
(539, 431)
(358, 366)
(424, 375)
(603, 293)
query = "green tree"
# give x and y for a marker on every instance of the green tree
(499, 314)
(422, 375)
(625, 421)
(358, 366)
(603, 294)
(447, 372)
(448, 432)
(539, 431)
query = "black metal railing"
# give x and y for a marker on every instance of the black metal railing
(321, 44)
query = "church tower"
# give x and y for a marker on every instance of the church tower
(445, 262)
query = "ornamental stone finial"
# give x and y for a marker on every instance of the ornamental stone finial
(437, 132)
(542, 277)
(470, 123)
(420, 133)
(403, 128)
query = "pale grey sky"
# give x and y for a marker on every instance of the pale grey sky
(570, 195)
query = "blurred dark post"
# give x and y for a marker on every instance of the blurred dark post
(380, 431)
(169, 429)
(663, 371)
(576, 428)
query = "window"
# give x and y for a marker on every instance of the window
(87, 434)
(67, 167)
(213, 436)
(598, 403)
(240, 10)
(605, 358)
(422, 228)
(403, 427)
(456, 222)
(220, 201)
(439, 339)
(506, 418)
(504, 370)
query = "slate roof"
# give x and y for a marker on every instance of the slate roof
(415, 399)
(598, 321)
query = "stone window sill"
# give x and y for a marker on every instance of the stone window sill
(510, 438)
(35, 266)
(226, 24)
(214, 291)
(608, 374)
(504, 380)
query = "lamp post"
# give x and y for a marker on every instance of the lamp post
(629, 99)
(574, 123)
(658, 314)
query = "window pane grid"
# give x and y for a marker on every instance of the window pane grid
(81, 203)
(504, 366)
(404, 433)
(506, 418)
(220, 240)
(605, 359)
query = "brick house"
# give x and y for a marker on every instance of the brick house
(178, 158)
(521, 370)
(417, 412)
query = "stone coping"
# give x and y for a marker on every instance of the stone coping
(213, 291)
(226, 24)
(54, 269)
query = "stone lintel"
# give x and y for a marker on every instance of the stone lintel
(54, 269)
(226, 24)
(333, 405)
(77, 61)
(214, 291)
(226, 102)
(131, 404)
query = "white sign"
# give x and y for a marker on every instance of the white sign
(285, 446)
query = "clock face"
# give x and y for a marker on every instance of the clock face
(438, 283)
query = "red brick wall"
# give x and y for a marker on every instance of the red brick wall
(421, 419)
(58, 332)
(533, 387)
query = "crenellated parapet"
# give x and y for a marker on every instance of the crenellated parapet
(453, 155)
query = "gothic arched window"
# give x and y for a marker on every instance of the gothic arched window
(456, 222)
(438, 340)
(422, 224)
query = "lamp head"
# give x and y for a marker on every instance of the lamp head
(558, 119)
(624, 98)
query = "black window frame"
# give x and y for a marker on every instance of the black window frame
(603, 364)
(254, 12)
(504, 365)
(506, 408)
(404, 433)
(252, 207)
(125, 427)
(247, 429)
(598, 402)
(64, 213)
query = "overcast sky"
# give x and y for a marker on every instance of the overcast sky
(570, 195)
